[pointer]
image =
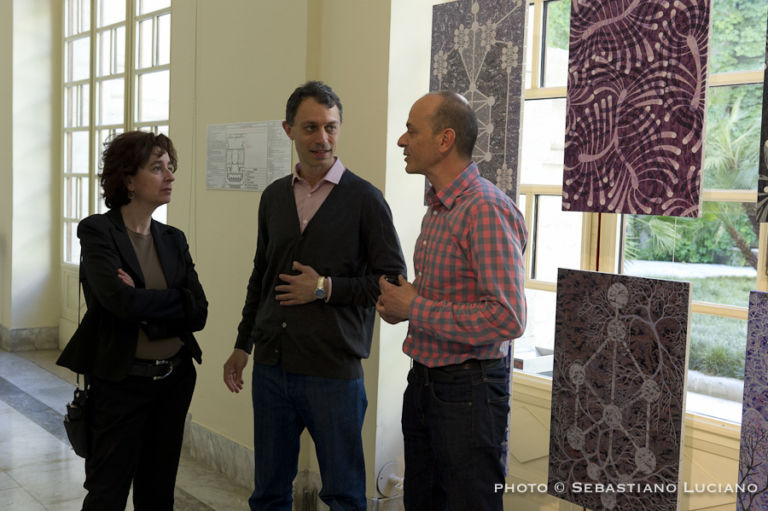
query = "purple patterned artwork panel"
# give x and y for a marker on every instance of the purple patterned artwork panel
(618, 388)
(753, 455)
(477, 51)
(637, 76)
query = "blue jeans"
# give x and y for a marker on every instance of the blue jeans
(332, 410)
(455, 433)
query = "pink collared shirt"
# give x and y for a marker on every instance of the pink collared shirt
(309, 199)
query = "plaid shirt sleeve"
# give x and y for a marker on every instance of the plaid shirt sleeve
(480, 300)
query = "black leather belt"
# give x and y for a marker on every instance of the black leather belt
(446, 374)
(155, 369)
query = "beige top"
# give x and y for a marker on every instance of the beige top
(146, 253)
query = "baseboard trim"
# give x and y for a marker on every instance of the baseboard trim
(29, 339)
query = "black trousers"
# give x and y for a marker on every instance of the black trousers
(136, 427)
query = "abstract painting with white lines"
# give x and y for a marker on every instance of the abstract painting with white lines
(637, 82)
(753, 454)
(618, 389)
(478, 51)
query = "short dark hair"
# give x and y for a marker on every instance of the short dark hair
(455, 112)
(123, 156)
(321, 93)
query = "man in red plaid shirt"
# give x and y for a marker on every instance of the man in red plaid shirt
(464, 307)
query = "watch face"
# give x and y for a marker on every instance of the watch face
(320, 293)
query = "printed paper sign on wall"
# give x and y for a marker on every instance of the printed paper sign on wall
(637, 81)
(477, 51)
(618, 389)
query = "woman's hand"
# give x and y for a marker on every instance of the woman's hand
(125, 278)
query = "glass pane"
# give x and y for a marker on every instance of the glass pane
(118, 36)
(557, 239)
(71, 17)
(721, 354)
(555, 62)
(164, 40)
(111, 51)
(76, 197)
(76, 152)
(528, 48)
(99, 201)
(78, 59)
(145, 43)
(717, 253)
(76, 106)
(533, 351)
(521, 203)
(102, 137)
(71, 243)
(738, 35)
(77, 17)
(104, 55)
(111, 101)
(161, 214)
(146, 6)
(111, 11)
(731, 149)
(162, 129)
(152, 98)
(85, 15)
(543, 142)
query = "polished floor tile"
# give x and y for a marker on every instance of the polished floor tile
(38, 469)
(18, 499)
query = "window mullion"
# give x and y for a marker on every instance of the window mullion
(92, 97)
(538, 9)
(130, 65)
(762, 258)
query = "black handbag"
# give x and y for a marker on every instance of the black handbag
(75, 422)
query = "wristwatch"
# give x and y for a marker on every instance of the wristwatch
(320, 289)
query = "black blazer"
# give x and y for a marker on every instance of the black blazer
(104, 344)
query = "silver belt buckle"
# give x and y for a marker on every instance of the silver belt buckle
(166, 375)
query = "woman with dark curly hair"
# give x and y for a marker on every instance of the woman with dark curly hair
(135, 342)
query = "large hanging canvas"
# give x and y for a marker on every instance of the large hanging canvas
(762, 188)
(478, 51)
(637, 81)
(753, 456)
(618, 391)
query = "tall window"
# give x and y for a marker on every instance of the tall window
(718, 253)
(116, 78)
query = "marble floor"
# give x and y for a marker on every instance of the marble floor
(38, 469)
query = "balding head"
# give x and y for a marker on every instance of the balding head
(454, 112)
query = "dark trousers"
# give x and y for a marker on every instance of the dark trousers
(455, 433)
(137, 427)
(332, 410)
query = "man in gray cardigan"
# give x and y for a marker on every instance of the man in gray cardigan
(325, 236)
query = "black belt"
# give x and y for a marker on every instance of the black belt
(155, 369)
(446, 374)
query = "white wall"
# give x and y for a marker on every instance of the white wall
(6, 158)
(35, 224)
(29, 199)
